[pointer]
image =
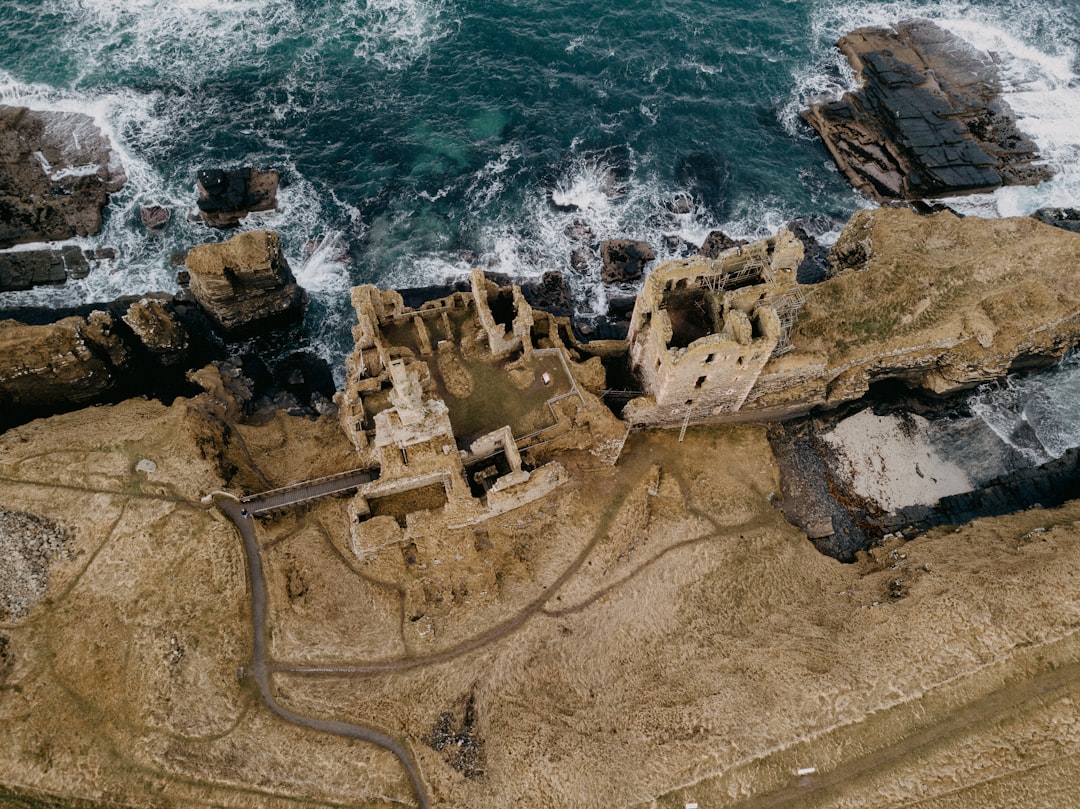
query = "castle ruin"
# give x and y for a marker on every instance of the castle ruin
(702, 330)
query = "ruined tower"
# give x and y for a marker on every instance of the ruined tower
(703, 330)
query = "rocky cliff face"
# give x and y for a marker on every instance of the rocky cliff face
(85, 359)
(56, 173)
(245, 281)
(939, 302)
(927, 120)
(70, 362)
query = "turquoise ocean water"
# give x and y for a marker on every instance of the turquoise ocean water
(419, 138)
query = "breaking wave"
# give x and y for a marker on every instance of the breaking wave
(1038, 415)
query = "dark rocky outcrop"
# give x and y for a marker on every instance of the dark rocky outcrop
(227, 196)
(31, 268)
(1064, 218)
(244, 282)
(23, 269)
(56, 173)
(716, 243)
(157, 327)
(814, 267)
(62, 365)
(928, 119)
(155, 217)
(551, 293)
(624, 259)
(129, 347)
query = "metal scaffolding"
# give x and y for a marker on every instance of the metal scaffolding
(753, 269)
(786, 304)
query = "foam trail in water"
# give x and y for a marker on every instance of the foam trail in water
(191, 41)
(395, 33)
(592, 199)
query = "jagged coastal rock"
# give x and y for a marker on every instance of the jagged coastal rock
(716, 243)
(624, 259)
(66, 364)
(123, 348)
(58, 171)
(155, 324)
(928, 119)
(227, 196)
(1065, 218)
(245, 281)
(24, 269)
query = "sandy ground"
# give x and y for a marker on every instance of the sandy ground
(891, 461)
(659, 635)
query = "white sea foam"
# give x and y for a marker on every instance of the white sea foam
(395, 33)
(1034, 47)
(1038, 414)
(177, 40)
(589, 201)
(190, 41)
(310, 221)
(142, 265)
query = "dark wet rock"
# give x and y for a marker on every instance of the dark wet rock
(499, 279)
(227, 196)
(579, 232)
(551, 293)
(155, 217)
(244, 282)
(624, 259)
(581, 258)
(809, 498)
(680, 204)
(56, 173)
(928, 119)
(31, 268)
(716, 243)
(814, 267)
(305, 376)
(23, 269)
(1065, 218)
(621, 306)
(678, 247)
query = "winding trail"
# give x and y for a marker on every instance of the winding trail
(236, 511)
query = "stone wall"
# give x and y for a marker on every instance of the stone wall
(703, 330)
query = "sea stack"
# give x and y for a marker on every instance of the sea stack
(245, 281)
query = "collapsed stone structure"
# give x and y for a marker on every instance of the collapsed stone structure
(459, 404)
(464, 397)
(704, 329)
(937, 302)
